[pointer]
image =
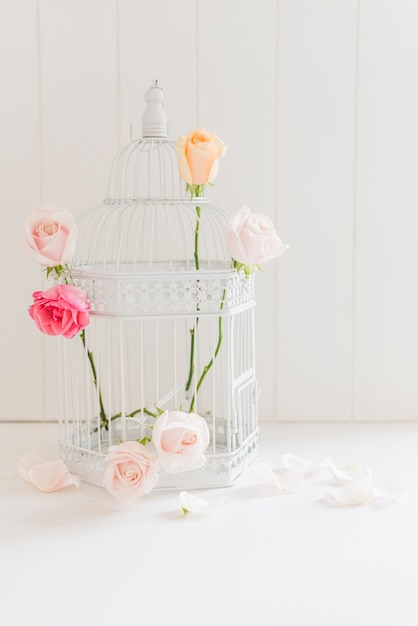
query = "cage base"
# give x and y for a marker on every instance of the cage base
(220, 470)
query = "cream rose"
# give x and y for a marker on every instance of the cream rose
(252, 238)
(131, 471)
(180, 440)
(198, 155)
(50, 235)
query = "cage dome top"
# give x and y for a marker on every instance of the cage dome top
(147, 168)
(147, 222)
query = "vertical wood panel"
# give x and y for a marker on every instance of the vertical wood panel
(316, 89)
(236, 74)
(79, 100)
(79, 114)
(386, 366)
(21, 352)
(158, 41)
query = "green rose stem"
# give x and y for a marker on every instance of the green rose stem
(195, 192)
(132, 414)
(196, 239)
(191, 364)
(209, 365)
(103, 419)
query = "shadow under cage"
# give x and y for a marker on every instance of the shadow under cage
(171, 321)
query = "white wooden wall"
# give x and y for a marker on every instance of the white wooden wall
(318, 103)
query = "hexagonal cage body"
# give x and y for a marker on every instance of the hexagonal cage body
(171, 325)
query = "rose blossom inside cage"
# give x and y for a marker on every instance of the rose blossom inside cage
(172, 321)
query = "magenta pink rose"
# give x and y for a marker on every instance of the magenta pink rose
(131, 471)
(180, 440)
(252, 238)
(60, 310)
(50, 235)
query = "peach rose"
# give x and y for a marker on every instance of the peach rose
(252, 238)
(131, 471)
(60, 310)
(198, 155)
(50, 235)
(180, 440)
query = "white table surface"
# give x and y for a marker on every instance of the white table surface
(76, 557)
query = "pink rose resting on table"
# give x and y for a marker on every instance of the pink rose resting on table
(180, 440)
(131, 471)
(252, 240)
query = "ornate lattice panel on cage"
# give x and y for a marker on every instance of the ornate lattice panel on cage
(169, 329)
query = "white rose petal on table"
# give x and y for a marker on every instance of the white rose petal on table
(285, 481)
(190, 503)
(308, 468)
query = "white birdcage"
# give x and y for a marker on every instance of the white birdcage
(169, 328)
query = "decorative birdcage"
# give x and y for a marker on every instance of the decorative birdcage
(171, 319)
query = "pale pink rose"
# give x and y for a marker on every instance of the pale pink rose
(180, 440)
(198, 155)
(50, 235)
(252, 238)
(131, 471)
(60, 310)
(46, 475)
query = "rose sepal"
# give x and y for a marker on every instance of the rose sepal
(247, 269)
(195, 191)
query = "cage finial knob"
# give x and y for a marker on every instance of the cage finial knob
(154, 118)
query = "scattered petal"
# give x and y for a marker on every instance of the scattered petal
(290, 461)
(47, 476)
(289, 481)
(388, 491)
(192, 504)
(26, 463)
(357, 491)
(343, 475)
(265, 474)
